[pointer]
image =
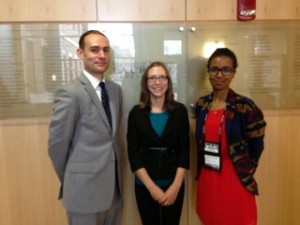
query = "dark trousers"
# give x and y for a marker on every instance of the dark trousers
(152, 213)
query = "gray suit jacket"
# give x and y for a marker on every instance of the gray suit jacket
(82, 146)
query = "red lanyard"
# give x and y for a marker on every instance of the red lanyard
(221, 122)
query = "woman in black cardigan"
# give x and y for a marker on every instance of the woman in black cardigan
(158, 148)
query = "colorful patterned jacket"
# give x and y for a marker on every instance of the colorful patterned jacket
(245, 129)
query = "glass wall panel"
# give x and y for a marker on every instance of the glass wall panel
(268, 54)
(38, 58)
(135, 46)
(35, 59)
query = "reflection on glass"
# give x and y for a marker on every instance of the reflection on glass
(209, 47)
(42, 57)
(35, 59)
(172, 47)
(267, 53)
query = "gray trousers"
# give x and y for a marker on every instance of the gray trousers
(110, 217)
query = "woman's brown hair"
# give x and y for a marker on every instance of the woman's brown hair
(145, 101)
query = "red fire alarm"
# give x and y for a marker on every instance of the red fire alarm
(246, 10)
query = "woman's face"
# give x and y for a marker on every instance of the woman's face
(157, 82)
(221, 81)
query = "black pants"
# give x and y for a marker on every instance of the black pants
(152, 213)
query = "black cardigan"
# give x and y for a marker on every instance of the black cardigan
(141, 136)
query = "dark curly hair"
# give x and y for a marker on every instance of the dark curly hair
(223, 52)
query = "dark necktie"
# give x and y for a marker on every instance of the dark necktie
(105, 102)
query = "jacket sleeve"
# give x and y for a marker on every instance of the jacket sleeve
(61, 130)
(255, 133)
(184, 140)
(133, 142)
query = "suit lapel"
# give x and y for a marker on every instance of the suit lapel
(95, 99)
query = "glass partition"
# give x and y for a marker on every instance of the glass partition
(38, 58)
(268, 55)
(35, 59)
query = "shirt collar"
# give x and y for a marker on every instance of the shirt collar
(94, 81)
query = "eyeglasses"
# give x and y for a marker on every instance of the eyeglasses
(225, 71)
(161, 79)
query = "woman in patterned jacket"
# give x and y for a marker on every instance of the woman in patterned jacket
(230, 140)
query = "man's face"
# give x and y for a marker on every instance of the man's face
(95, 55)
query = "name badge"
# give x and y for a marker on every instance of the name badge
(212, 156)
(212, 162)
(211, 147)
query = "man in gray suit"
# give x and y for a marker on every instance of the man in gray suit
(83, 139)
